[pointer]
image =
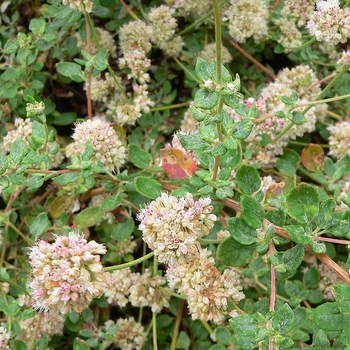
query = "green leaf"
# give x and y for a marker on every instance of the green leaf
(149, 188)
(252, 211)
(291, 259)
(37, 26)
(100, 60)
(324, 219)
(342, 168)
(241, 231)
(283, 320)
(248, 179)
(242, 110)
(218, 150)
(192, 141)
(18, 151)
(67, 179)
(34, 181)
(230, 143)
(19, 345)
(184, 340)
(297, 234)
(110, 203)
(123, 230)
(242, 129)
(203, 70)
(40, 224)
(71, 70)
(231, 252)
(244, 325)
(206, 99)
(311, 278)
(197, 114)
(298, 118)
(328, 317)
(223, 335)
(88, 217)
(303, 203)
(231, 101)
(88, 152)
(164, 321)
(4, 183)
(139, 157)
(80, 344)
(287, 163)
(342, 297)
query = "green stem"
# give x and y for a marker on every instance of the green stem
(154, 328)
(194, 24)
(28, 240)
(187, 71)
(282, 133)
(218, 39)
(129, 264)
(218, 43)
(165, 108)
(338, 98)
(298, 143)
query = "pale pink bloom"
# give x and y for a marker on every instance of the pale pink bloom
(67, 274)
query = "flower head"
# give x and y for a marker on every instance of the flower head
(170, 226)
(108, 148)
(207, 290)
(330, 23)
(67, 274)
(129, 335)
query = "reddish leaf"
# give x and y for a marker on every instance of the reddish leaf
(313, 157)
(177, 164)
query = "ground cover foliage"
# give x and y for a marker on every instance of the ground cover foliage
(174, 174)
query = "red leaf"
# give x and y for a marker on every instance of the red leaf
(177, 164)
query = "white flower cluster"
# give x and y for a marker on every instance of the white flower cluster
(339, 139)
(82, 5)
(67, 274)
(129, 335)
(209, 53)
(207, 290)
(163, 28)
(330, 23)
(247, 18)
(170, 226)
(108, 149)
(50, 324)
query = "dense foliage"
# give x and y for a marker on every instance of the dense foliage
(174, 174)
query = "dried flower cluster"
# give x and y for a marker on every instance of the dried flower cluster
(108, 149)
(170, 226)
(330, 23)
(207, 290)
(247, 18)
(67, 274)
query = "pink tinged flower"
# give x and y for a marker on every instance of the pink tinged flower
(69, 278)
(170, 226)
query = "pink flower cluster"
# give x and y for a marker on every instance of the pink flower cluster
(67, 274)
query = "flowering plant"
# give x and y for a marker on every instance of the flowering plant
(174, 174)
